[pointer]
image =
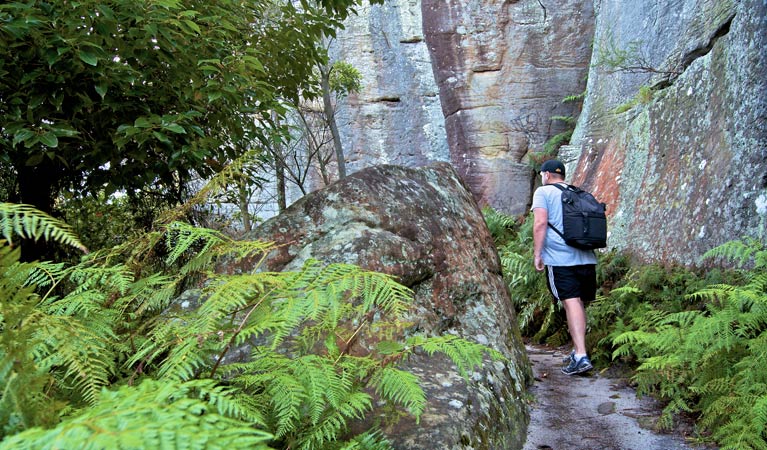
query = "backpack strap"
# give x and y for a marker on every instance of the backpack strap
(559, 186)
(557, 231)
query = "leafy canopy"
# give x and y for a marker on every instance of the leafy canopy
(125, 94)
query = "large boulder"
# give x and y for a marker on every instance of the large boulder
(423, 227)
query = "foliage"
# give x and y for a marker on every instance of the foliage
(114, 357)
(632, 57)
(711, 361)
(101, 222)
(574, 97)
(552, 145)
(642, 97)
(344, 79)
(27, 222)
(126, 95)
(501, 227)
(154, 414)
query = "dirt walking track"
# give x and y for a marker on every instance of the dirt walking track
(590, 412)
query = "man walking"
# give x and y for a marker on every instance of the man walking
(570, 272)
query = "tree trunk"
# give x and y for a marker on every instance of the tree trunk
(282, 202)
(36, 188)
(279, 171)
(330, 117)
(242, 198)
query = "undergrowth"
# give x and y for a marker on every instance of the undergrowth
(696, 339)
(101, 355)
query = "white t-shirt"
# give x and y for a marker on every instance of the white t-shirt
(555, 252)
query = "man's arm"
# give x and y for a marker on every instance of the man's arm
(540, 224)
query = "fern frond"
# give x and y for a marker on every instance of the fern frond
(712, 293)
(182, 237)
(228, 401)
(574, 97)
(570, 120)
(151, 415)
(402, 388)
(30, 223)
(740, 252)
(83, 352)
(465, 355)
(150, 293)
(370, 440)
(286, 397)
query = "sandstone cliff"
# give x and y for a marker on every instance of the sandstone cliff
(683, 165)
(475, 83)
(472, 82)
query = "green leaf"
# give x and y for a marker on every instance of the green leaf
(193, 26)
(22, 135)
(142, 122)
(101, 89)
(161, 137)
(175, 128)
(50, 139)
(88, 57)
(34, 160)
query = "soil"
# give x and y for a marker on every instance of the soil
(593, 411)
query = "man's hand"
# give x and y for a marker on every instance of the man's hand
(539, 263)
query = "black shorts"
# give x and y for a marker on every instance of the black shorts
(566, 282)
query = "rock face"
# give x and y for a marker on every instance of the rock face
(503, 68)
(422, 226)
(473, 82)
(477, 82)
(687, 158)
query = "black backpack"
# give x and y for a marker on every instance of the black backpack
(583, 219)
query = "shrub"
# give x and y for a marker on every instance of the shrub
(110, 361)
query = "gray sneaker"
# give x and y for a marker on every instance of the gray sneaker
(580, 366)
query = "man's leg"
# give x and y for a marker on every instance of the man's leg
(576, 323)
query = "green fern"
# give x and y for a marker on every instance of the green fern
(570, 120)
(74, 336)
(27, 222)
(574, 97)
(501, 226)
(152, 415)
(465, 355)
(22, 380)
(400, 387)
(713, 361)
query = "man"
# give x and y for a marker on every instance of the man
(570, 272)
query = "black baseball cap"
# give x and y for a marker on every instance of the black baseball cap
(553, 166)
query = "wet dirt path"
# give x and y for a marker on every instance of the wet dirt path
(589, 412)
